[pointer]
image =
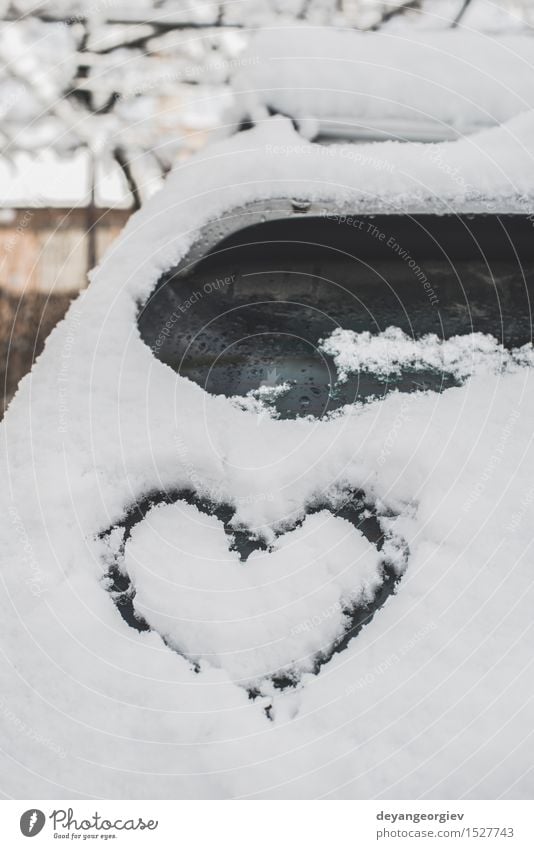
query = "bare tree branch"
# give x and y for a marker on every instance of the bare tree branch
(120, 156)
(397, 10)
(461, 13)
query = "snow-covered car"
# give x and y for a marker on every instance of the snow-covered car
(409, 86)
(268, 501)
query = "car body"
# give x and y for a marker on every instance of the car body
(209, 598)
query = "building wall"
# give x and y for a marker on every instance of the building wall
(44, 258)
(51, 249)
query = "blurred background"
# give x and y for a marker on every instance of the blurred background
(100, 99)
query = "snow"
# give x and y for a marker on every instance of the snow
(429, 700)
(387, 353)
(446, 81)
(498, 16)
(203, 600)
(261, 400)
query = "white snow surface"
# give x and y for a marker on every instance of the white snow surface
(452, 80)
(387, 353)
(431, 699)
(274, 612)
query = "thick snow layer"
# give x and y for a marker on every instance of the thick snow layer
(389, 352)
(489, 171)
(252, 619)
(446, 81)
(430, 699)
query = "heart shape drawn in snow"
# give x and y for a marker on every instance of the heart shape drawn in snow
(220, 596)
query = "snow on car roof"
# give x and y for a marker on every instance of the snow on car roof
(100, 423)
(435, 84)
(490, 171)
